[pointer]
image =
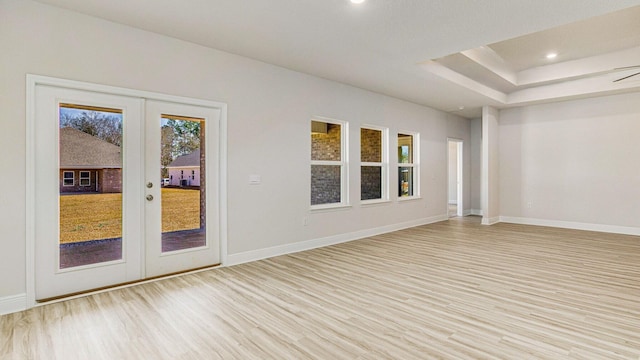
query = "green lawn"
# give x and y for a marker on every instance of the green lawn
(99, 216)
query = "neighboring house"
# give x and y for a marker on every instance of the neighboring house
(185, 170)
(88, 164)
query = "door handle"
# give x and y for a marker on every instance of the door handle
(149, 197)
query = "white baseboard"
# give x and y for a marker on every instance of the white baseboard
(254, 255)
(453, 202)
(490, 221)
(14, 303)
(466, 212)
(626, 230)
(477, 212)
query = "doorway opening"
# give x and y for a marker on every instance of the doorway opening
(455, 201)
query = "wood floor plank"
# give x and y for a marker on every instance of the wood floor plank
(450, 290)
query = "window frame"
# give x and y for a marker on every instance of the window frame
(414, 165)
(88, 178)
(343, 163)
(383, 164)
(64, 178)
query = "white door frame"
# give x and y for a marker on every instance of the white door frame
(32, 81)
(459, 174)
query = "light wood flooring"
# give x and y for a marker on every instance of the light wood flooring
(453, 210)
(451, 290)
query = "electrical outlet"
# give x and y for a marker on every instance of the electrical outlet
(305, 221)
(529, 204)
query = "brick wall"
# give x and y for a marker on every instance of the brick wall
(326, 146)
(370, 182)
(111, 181)
(76, 182)
(325, 184)
(370, 145)
(325, 180)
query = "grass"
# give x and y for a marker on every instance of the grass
(180, 209)
(99, 216)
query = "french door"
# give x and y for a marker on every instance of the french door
(181, 187)
(107, 211)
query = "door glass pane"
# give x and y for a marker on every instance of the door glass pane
(182, 170)
(90, 185)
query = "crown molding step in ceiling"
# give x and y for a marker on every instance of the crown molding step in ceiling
(592, 57)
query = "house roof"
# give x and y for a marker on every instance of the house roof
(187, 160)
(81, 150)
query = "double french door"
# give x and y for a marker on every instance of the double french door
(126, 188)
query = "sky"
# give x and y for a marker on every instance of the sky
(76, 112)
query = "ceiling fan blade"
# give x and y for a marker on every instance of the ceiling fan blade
(626, 77)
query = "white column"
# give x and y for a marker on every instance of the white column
(490, 167)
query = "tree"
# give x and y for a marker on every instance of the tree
(181, 137)
(186, 136)
(178, 137)
(105, 126)
(167, 137)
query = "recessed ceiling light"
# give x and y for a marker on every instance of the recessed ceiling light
(551, 56)
(357, 1)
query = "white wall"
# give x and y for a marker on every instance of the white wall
(575, 161)
(178, 174)
(269, 112)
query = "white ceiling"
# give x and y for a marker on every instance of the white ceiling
(388, 46)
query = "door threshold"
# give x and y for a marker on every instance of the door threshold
(75, 295)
